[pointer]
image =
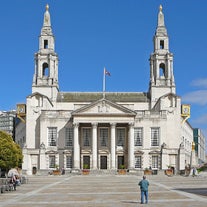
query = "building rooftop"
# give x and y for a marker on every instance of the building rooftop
(94, 96)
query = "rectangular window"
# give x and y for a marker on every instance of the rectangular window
(103, 137)
(161, 44)
(69, 137)
(120, 162)
(45, 44)
(155, 136)
(52, 161)
(120, 136)
(52, 136)
(155, 161)
(68, 161)
(86, 137)
(138, 136)
(138, 161)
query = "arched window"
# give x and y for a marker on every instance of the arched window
(162, 69)
(45, 69)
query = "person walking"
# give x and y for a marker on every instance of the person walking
(144, 183)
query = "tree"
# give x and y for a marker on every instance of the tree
(10, 152)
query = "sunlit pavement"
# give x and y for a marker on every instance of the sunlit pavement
(107, 190)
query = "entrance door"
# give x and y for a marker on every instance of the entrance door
(120, 162)
(103, 162)
(34, 170)
(86, 162)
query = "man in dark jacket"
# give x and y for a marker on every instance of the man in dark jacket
(144, 189)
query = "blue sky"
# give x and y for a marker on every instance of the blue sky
(116, 34)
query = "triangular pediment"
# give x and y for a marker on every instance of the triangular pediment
(103, 107)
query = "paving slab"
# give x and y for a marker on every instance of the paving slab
(106, 191)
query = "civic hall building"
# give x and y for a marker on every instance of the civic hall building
(108, 130)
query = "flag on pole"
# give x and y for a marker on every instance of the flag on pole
(107, 72)
(104, 80)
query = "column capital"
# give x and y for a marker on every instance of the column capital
(76, 124)
(113, 124)
(94, 125)
(131, 124)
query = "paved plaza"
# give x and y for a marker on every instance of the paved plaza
(107, 191)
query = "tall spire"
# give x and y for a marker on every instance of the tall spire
(46, 29)
(161, 34)
(47, 22)
(45, 79)
(161, 63)
(161, 18)
(161, 23)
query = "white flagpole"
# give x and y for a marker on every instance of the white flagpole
(104, 82)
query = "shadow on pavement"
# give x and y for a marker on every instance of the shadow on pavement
(197, 191)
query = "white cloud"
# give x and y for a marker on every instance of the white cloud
(200, 82)
(198, 97)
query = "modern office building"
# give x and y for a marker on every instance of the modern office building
(200, 144)
(105, 130)
(7, 122)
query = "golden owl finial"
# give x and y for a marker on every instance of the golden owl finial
(47, 7)
(160, 7)
(193, 146)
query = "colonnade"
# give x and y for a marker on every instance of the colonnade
(77, 153)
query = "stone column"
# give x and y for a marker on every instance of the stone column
(131, 146)
(94, 145)
(169, 78)
(113, 146)
(29, 165)
(157, 68)
(181, 154)
(193, 162)
(26, 165)
(76, 147)
(151, 71)
(42, 156)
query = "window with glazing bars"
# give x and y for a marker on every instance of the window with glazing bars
(68, 161)
(86, 137)
(103, 137)
(138, 161)
(155, 161)
(155, 136)
(52, 136)
(120, 136)
(138, 136)
(52, 161)
(69, 137)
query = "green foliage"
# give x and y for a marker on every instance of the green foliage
(121, 166)
(85, 166)
(202, 168)
(10, 152)
(57, 167)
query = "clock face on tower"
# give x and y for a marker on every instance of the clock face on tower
(21, 109)
(185, 110)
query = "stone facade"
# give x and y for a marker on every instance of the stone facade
(134, 130)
